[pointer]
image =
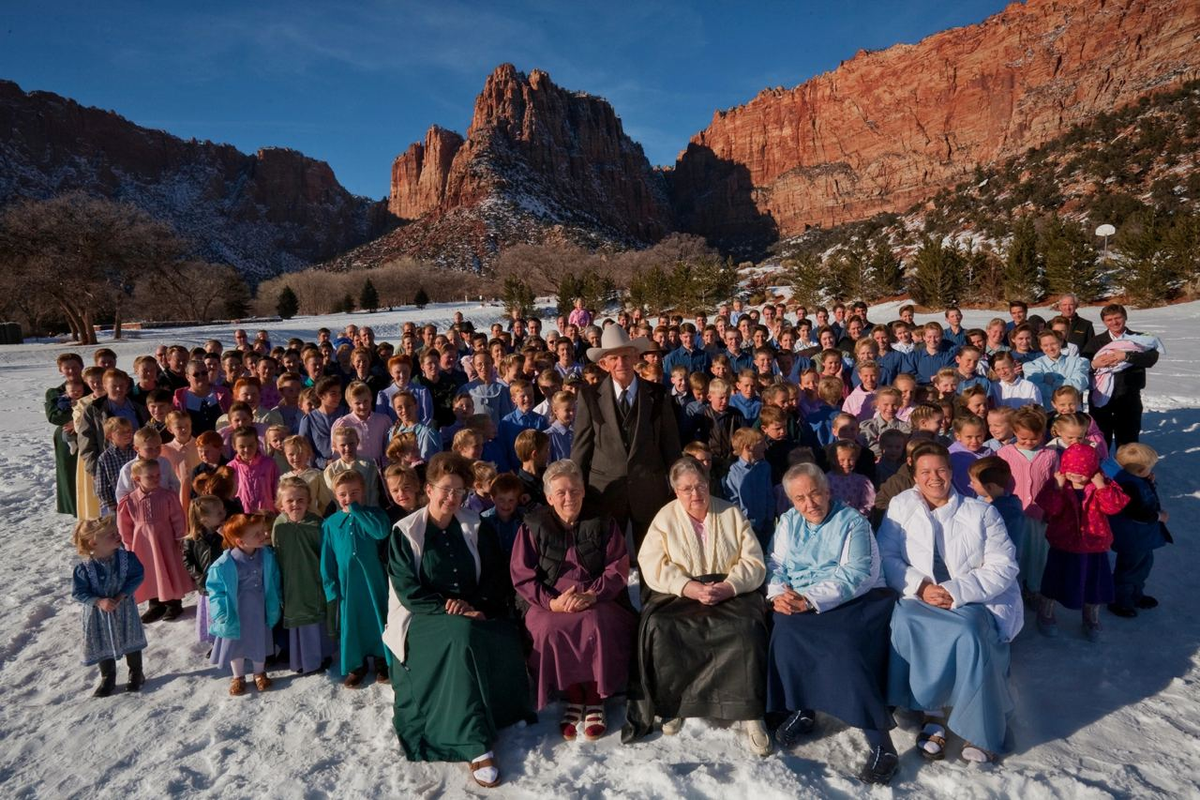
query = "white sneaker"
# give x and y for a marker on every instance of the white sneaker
(670, 727)
(757, 738)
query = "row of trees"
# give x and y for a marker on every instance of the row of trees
(76, 261)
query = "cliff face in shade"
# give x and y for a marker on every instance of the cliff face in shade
(538, 163)
(271, 212)
(889, 128)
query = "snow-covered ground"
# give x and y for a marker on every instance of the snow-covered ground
(1118, 718)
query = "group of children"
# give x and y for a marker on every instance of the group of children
(266, 480)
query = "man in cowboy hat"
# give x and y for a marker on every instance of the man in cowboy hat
(625, 435)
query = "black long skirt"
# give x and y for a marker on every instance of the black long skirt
(835, 662)
(694, 660)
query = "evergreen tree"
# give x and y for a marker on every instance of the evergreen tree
(568, 290)
(347, 303)
(1157, 256)
(518, 296)
(421, 298)
(368, 299)
(287, 305)
(938, 275)
(807, 279)
(886, 271)
(1070, 260)
(1023, 265)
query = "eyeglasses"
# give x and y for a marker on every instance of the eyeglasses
(448, 491)
(697, 488)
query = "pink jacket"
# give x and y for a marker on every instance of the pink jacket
(256, 482)
(151, 526)
(1030, 476)
(1076, 527)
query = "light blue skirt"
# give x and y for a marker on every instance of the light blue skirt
(952, 659)
(1032, 559)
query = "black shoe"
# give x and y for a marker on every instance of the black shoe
(137, 679)
(108, 682)
(174, 610)
(1121, 611)
(880, 767)
(1146, 601)
(154, 613)
(798, 724)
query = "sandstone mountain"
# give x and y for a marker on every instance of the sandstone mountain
(267, 213)
(539, 164)
(892, 127)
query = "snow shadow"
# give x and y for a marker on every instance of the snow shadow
(1065, 684)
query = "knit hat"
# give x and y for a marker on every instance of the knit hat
(1080, 459)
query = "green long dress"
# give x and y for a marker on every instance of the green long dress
(352, 571)
(464, 678)
(298, 553)
(64, 459)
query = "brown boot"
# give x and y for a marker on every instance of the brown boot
(381, 674)
(354, 678)
(237, 686)
(262, 682)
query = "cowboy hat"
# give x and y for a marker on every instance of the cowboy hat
(616, 338)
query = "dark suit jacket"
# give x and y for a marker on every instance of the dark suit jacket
(631, 484)
(1081, 331)
(1127, 381)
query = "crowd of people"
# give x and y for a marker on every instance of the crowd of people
(825, 516)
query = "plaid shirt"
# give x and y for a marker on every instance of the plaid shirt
(108, 470)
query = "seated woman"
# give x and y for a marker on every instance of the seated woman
(461, 673)
(702, 640)
(829, 643)
(570, 565)
(952, 560)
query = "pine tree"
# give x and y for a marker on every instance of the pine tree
(368, 299)
(1153, 261)
(568, 289)
(1070, 260)
(938, 275)
(347, 303)
(421, 298)
(807, 279)
(287, 305)
(1023, 265)
(518, 296)
(886, 271)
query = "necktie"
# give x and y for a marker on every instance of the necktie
(623, 403)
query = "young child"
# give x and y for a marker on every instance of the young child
(317, 425)
(118, 432)
(1033, 466)
(561, 433)
(404, 406)
(464, 408)
(716, 423)
(533, 452)
(774, 426)
(820, 421)
(257, 475)
(506, 514)
(468, 443)
(681, 393)
(886, 418)
(907, 385)
(159, 404)
(296, 537)
(1068, 400)
(1009, 388)
(992, 482)
(1077, 504)
(944, 385)
(852, 489)
(479, 499)
(210, 448)
(1138, 530)
(966, 369)
(151, 524)
(273, 440)
(493, 448)
(861, 401)
(974, 401)
(221, 483)
(244, 601)
(929, 417)
(345, 444)
(403, 449)
(148, 445)
(290, 388)
(745, 398)
(999, 422)
(105, 583)
(970, 433)
(201, 549)
(521, 418)
(404, 489)
(354, 578)
(891, 455)
(299, 456)
(182, 452)
(372, 427)
(748, 482)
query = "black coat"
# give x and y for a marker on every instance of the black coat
(199, 554)
(1127, 381)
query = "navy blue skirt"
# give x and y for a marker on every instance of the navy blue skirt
(835, 662)
(1074, 579)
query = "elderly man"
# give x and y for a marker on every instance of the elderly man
(625, 435)
(1080, 330)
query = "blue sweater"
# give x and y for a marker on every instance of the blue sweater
(222, 585)
(748, 486)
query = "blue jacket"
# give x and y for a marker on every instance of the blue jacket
(926, 365)
(750, 408)
(748, 486)
(957, 339)
(977, 380)
(1048, 375)
(891, 364)
(511, 427)
(222, 585)
(830, 563)
(1137, 528)
(696, 360)
(739, 361)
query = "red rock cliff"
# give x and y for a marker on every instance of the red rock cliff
(892, 127)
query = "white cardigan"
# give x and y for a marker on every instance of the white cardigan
(412, 527)
(979, 555)
(671, 556)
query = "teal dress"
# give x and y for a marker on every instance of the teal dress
(464, 678)
(352, 572)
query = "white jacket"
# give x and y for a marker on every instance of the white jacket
(979, 555)
(412, 527)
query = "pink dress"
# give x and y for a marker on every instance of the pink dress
(151, 527)
(256, 482)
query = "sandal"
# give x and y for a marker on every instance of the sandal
(931, 741)
(237, 686)
(594, 725)
(262, 682)
(976, 755)
(569, 725)
(484, 770)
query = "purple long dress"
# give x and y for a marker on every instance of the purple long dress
(255, 641)
(573, 648)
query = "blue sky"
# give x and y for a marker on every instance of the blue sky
(353, 83)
